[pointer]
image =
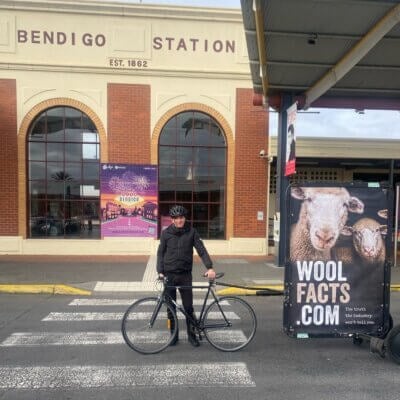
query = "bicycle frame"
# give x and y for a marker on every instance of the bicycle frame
(198, 323)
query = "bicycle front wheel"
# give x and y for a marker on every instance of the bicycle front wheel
(229, 323)
(147, 329)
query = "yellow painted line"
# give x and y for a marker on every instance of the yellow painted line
(246, 292)
(43, 289)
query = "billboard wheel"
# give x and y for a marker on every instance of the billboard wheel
(392, 344)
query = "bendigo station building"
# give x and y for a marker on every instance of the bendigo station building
(88, 83)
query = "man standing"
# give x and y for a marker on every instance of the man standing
(175, 261)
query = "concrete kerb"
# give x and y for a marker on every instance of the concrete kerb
(43, 289)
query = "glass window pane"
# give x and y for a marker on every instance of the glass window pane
(55, 190)
(73, 118)
(167, 191)
(183, 193)
(73, 152)
(37, 151)
(167, 155)
(217, 193)
(72, 190)
(217, 137)
(201, 175)
(200, 193)
(201, 129)
(73, 135)
(91, 151)
(73, 171)
(200, 211)
(91, 219)
(88, 125)
(37, 170)
(217, 156)
(37, 189)
(90, 190)
(55, 171)
(55, 124)
(185, 128)
(168, 134)
(55, 151)
(184, 174)
(57, 180)
(91, 171)
(38, 130)
(166, 173)
(90, 137)
(201, 155)
(202, 228)
(184, 155)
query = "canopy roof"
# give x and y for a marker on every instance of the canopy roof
(332, 53)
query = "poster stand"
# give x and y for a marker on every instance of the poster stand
(338, 261)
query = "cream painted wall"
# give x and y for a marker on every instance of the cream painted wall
(73, 70)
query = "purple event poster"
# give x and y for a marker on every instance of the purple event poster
(128, 200)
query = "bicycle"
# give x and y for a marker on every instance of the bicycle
(228, 323)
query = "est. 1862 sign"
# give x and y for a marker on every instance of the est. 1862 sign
(337, 271)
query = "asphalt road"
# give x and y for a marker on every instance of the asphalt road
(273, 366)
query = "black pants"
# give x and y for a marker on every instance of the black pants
(182, 279)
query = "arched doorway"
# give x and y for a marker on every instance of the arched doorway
(192, 160)
(63, 156)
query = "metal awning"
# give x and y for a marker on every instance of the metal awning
(326, 53)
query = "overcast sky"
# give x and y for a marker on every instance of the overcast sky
(318, 122)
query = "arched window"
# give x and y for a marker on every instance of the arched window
(64, 175)
(192, 171)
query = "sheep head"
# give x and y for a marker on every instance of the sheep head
(367, 238)
(324, 212)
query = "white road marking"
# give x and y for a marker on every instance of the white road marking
(109, 316)
(102, 338)
(156, 375)
(125, 302)
(142, 286)
(150, 273)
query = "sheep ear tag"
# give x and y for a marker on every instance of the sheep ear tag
(336, 268)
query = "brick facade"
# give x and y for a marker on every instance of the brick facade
(250, 170)
(128, 123)
(8, 159)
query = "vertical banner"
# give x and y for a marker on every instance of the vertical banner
(290, 165)
(128, 200)
(337, 276)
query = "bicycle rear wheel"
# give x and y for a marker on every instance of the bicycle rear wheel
(229, 324)
(147, 330)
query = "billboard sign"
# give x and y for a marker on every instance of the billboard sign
(337, 270)
(128, 200)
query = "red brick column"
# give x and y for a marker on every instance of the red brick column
(8, 159)
(251, 190)
(128, 123)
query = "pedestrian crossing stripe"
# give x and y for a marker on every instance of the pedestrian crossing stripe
(223, 374)
(104, 338)
(110, 316)
(126, 302)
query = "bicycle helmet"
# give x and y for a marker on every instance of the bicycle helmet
(177, 211)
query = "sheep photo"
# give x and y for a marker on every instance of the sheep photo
(338, 223)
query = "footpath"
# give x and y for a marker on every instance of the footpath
(88, 275)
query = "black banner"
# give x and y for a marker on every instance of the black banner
(337, 272)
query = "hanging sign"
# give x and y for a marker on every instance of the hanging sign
(290, 164)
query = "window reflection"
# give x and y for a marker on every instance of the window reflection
(63, 188)
(192, 171)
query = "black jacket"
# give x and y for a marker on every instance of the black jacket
(175, 252)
